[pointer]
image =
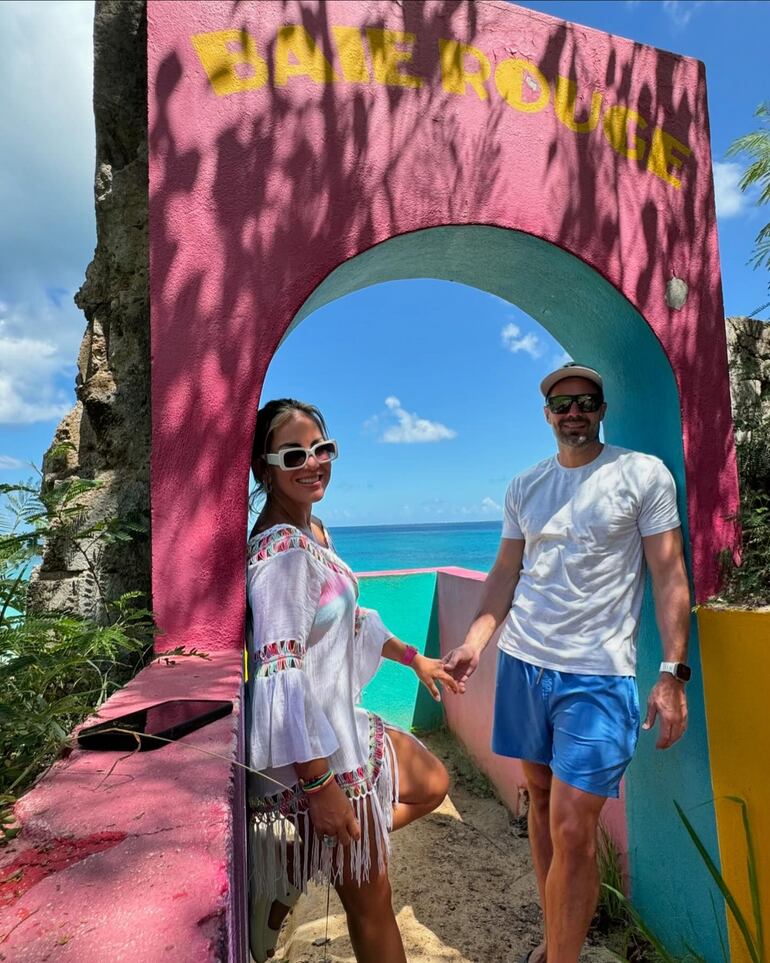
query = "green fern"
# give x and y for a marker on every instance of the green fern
(57, 668)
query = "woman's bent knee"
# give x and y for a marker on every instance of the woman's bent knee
(438, 783)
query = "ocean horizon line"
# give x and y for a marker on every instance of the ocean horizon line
(493, 523)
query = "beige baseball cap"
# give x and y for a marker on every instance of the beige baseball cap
(571, 370)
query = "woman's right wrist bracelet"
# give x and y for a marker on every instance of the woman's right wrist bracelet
(317, 784)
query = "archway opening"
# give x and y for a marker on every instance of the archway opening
(595, 324)
(431, 388)
(572, 301)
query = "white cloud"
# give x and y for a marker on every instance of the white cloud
(515, 341)
(47, 229)
(487, 506)
(411, 428)
(32, 369)
(434, 506)
(730, 200)
(681, 12)
(7, 463)
(338, 514)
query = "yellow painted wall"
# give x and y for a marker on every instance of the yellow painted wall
(735, 655)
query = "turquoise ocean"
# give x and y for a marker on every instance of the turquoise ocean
(382, 547)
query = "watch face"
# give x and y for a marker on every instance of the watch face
(683, 672)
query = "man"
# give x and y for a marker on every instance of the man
(568, 583)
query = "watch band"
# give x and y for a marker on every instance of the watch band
(680, 670)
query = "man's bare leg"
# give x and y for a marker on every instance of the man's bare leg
(572, 884)
(539, 824)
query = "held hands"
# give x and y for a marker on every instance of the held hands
(332, 814)
(667, 700)
(461, 663)
(431, 671)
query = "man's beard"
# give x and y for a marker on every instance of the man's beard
(576, 436)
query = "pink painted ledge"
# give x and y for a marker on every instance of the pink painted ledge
(143, 863)
(447, 570)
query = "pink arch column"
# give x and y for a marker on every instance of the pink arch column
(287, 138)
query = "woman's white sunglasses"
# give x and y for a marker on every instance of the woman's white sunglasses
(289, 459)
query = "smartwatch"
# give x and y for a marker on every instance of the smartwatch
(679, 670)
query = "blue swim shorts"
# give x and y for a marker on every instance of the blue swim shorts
(584, 727)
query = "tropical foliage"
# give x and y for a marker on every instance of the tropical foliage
(751, 930)
(756, 147)
(749, 583)
(57, 667)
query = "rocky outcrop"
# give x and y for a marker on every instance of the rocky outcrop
(108, 430)
(748, 346)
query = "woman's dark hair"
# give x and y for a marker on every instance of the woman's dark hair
(272, 416)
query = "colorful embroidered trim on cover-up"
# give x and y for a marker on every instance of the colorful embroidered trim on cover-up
(275, 656)
(356, 783)
(274, 541)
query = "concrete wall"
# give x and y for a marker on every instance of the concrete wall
(299, 151)
(408, 605)
(736, 667)
(136, 857)
(311, 133)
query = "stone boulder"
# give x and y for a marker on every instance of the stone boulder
(109, 427)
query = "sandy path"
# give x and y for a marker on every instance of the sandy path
(463, 886)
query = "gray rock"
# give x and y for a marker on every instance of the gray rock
(109, 427)
(748, 347)
(676, 293)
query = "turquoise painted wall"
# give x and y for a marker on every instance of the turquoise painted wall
(408, 605)
(599, 326)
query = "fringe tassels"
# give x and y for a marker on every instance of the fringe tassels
(273, 841)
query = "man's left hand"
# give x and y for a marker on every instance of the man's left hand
(667, 700)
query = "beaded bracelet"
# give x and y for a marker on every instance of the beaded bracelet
(409, 655)
(316, 785)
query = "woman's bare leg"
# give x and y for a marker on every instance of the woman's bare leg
(423, 782)
(279, 910)
(368, 907)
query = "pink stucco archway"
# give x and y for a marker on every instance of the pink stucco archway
(289, 138)
(299, 150)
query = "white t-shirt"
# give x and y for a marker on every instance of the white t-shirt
(577, 603)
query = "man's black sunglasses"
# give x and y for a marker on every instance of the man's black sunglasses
(561, 404)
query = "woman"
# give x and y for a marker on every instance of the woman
(334, 779)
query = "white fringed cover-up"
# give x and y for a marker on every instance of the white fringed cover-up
(311, 651)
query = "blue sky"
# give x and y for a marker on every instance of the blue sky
(428, 430)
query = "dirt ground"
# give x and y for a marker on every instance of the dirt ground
(463, 886)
